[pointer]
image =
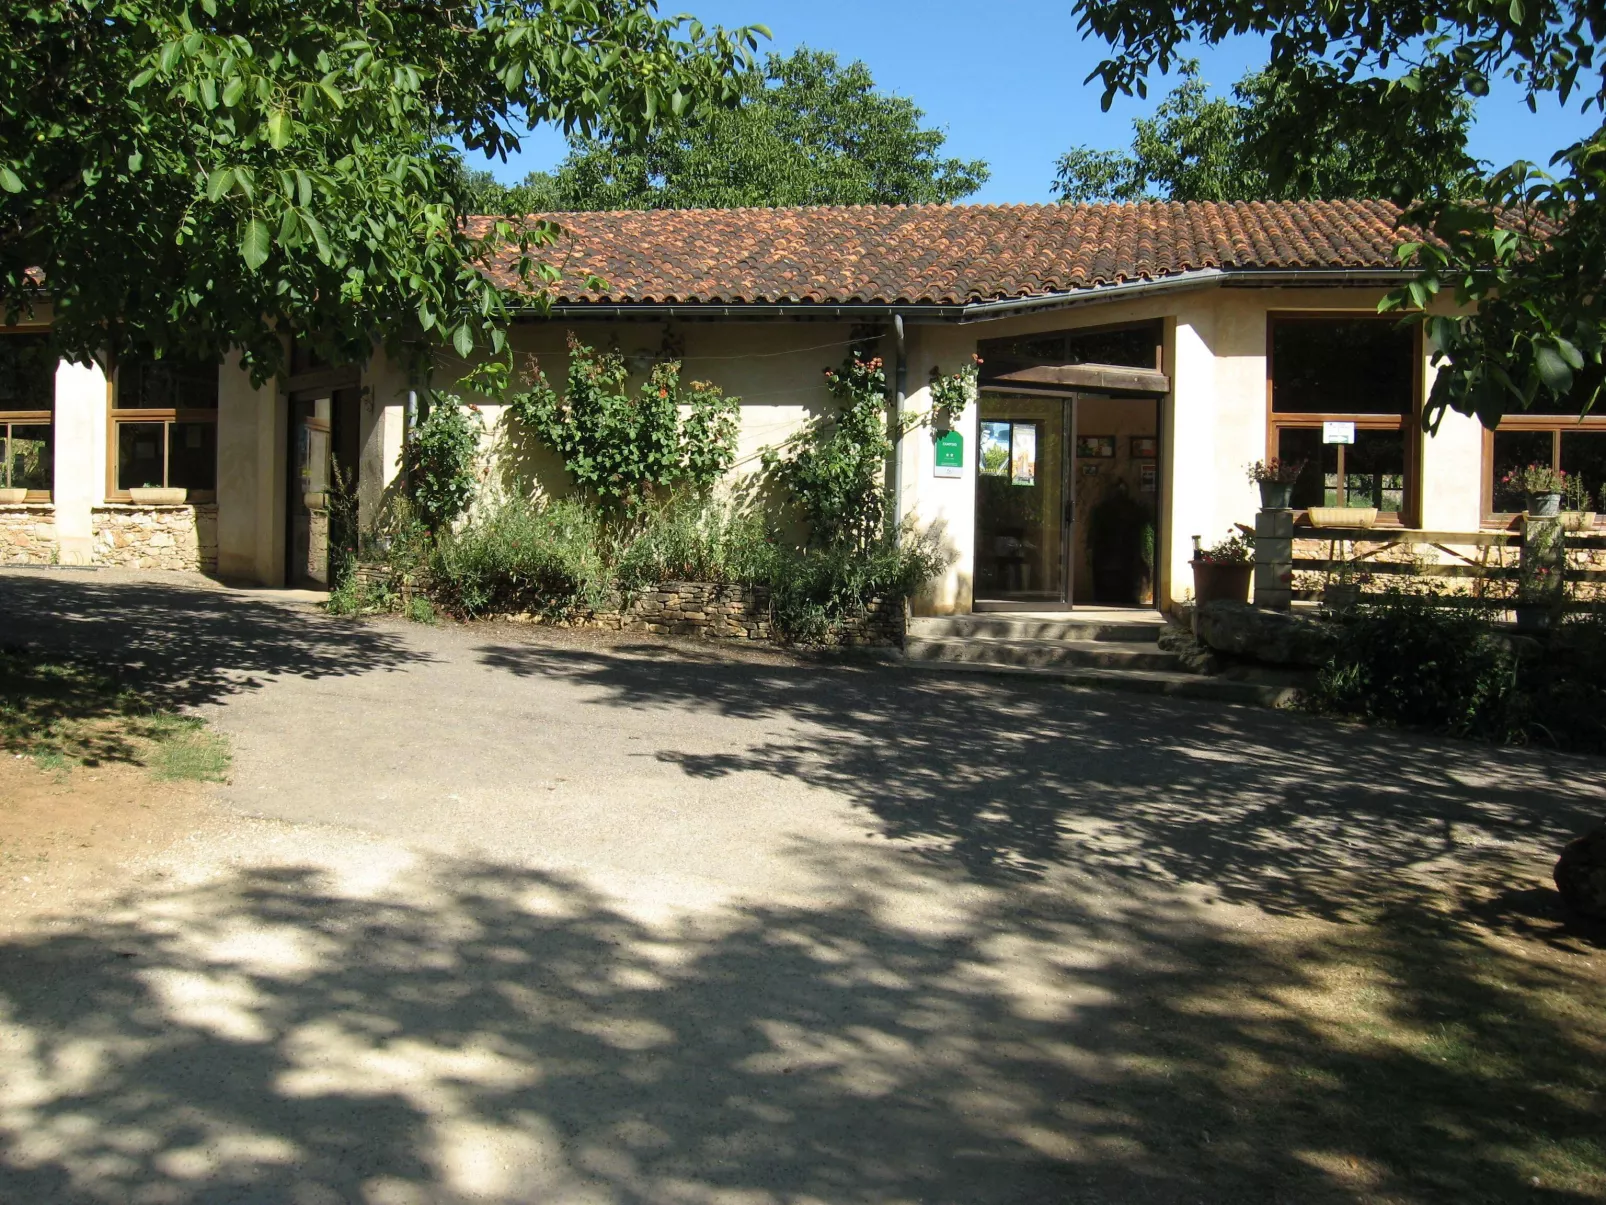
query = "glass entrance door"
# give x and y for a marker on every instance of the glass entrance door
(1022, 517)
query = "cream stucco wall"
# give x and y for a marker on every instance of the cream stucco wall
(245, 461)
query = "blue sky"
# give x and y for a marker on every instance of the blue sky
(1004, 79)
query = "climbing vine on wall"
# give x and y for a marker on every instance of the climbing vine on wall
(836, 468)
(622, 447)
(442, 456)
(952, 392)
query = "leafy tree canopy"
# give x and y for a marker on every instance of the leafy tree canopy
(1525, 253)
(1202, 148)
(808, 131)
(188, 176)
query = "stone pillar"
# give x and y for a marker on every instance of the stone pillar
(1541, 572)
(1274, 559)
(81, 420)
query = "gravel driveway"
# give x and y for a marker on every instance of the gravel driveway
(491, 914)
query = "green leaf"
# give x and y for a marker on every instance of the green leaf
(9, 180)
(320, 238)
(1553, 370)
(279, 129)
(219, 183)
(254, 244)
(233, 91)
(463, 341)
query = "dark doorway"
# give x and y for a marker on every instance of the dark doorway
(324, 437)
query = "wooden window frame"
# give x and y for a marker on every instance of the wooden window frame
(1410, 424)
(167, 416)
(1556, 425)
(28, 418)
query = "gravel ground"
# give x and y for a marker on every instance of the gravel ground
(507, 914)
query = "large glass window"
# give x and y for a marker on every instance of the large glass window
(1576, 445)
(1358, 371)
(27, 403)
(164, 418)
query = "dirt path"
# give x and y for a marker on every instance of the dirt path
(498, 915)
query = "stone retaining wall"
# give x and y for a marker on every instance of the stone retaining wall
(704, 609)
(28, 533)
(156, 537)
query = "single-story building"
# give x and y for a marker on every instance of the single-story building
(1146, 351)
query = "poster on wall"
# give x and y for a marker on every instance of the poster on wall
(1023, 454)
(1147, 477)
(994, 460)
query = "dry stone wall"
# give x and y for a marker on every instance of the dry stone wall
(703, 609)
(27, 533)
(156, 537)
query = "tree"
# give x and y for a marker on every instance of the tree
(808, 131)
(189, 176)
(1202, 148)
(1522, 250)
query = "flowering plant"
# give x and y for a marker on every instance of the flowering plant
(1535, 479)
(1276, 471)
(1234, 550)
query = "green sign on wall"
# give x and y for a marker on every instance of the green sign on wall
(950, 454)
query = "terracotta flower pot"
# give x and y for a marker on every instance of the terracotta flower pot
(11, 494)
(154, 495)
(1217, 581)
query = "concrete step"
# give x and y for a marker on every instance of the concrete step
(1151, 682)
(1040, 653)
(1030, 627)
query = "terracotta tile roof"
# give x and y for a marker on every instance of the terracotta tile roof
(948, 254)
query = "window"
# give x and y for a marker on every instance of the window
(164, 428)
(27, 403)
(1351, 369)
(1574, 443)
(1130, 346)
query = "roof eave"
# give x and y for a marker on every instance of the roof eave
(975, 311)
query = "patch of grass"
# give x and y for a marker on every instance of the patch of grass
(186, 748)
(419, 609)
(62, 712)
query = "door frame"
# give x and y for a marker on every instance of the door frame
(1067, 510)
(1069, 518)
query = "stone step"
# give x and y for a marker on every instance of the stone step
(1092, 654)
(1029, 627)
(1151, 682)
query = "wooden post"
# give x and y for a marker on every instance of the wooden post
(1274, 559)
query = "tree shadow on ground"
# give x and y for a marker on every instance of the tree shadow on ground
(1013, 780)
(473, 1031)
(181, 645)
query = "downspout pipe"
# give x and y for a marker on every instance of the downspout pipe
(900, 383)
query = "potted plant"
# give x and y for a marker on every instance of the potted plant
(1542, 484)
(1276, 478)
(1222, 572)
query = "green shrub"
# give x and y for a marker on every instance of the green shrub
(441, 459)
(522, 556)
(814, 589)
(1564, 691)
(693, 540)
(1410, 660)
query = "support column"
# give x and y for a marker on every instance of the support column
(1274, 559)
(81, 422)
(241, 461)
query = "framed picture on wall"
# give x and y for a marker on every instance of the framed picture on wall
(1095, 447)
(1145, 447)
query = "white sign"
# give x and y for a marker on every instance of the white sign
(1338, 433)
